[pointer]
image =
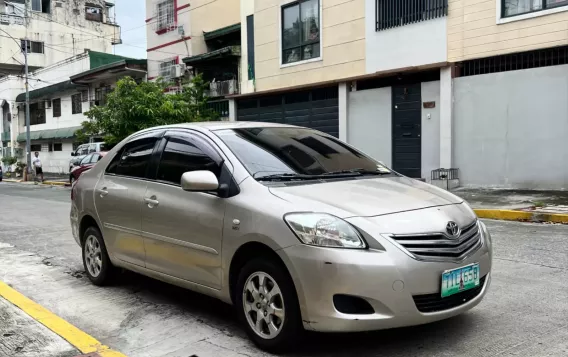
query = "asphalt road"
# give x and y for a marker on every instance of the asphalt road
(524, 314)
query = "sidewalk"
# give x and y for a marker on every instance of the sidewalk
(48, 179)
(20, 335)
(517, 205)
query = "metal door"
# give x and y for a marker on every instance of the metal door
(406, 130)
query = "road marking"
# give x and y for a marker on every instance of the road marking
(79, 339)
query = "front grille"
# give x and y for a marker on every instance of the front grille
(439, 247)
(435, 302)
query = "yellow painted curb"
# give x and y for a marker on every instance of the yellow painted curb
(510, 215)
(54, 183)
(79, 339)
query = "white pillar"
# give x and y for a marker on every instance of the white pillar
(446, 117)
(232, 110)
(343, 110)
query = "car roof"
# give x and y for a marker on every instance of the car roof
(221, 125)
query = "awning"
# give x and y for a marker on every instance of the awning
(50, 134)
(225, 52)
(221, 32)
(131, 67)
(48, 91)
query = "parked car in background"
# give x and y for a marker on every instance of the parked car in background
(295, 228)
(84, 150)
(86, 164)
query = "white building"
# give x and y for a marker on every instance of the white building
(61, 94)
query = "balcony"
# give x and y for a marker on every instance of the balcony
(11, 19)
(223, 88)
(6, 136)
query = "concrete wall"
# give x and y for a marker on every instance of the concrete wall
(511, 128)
(430, 129)
(476, 29)
(369, 126)
(343, 45)
(405, 46)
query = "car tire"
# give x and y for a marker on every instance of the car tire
(96, 261)
(289, 327)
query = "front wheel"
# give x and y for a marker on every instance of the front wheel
(267, 305)
(96, 261)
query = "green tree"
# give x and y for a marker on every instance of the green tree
(132, 106)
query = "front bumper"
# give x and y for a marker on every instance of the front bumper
(387, 279)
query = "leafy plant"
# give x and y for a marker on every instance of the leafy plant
(132, 106)
(20, 167)
(9, 160)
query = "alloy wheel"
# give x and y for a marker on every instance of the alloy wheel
(263, 304)
(93, 256)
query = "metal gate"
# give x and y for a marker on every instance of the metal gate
(406, 130)
(315, 108)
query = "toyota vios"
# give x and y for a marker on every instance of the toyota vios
(295, 228)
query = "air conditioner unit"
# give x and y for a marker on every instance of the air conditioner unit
(177, 71)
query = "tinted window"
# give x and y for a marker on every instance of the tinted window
(133, 158)
(267, 151)
(95, 158)
(181, 155)
(86, 159)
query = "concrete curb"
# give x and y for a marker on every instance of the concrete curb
(509, 215)
(49, 183)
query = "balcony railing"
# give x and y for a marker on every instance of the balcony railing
(11, 19)
(6, 136)
(394, 13)
(223, 88)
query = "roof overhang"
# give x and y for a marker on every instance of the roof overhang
(49, 91)
(50, 134)
(211, 35)
(125, 67)
(225, 52)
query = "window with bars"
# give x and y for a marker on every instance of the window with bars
(520, 7)
(300, 31)
(57, 107)
(165, 15)
(395, 13)
(166, 68)
(31, 46)
(76, 103)
(93, 13)
(101, 95)
(37, 113)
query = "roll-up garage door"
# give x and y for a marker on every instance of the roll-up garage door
(314, 108)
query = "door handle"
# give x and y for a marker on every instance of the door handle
(103, 192)
(151, 202)
(406, 134)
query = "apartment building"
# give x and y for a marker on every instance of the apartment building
(59, 98)
(55, 30)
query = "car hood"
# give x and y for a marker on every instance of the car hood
(365, 197)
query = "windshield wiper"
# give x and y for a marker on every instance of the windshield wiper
(287, 177)
(358, 171)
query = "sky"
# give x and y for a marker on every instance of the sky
(131, 16)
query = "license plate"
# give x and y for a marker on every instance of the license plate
(461, 279)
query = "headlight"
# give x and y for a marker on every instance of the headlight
(324, 230)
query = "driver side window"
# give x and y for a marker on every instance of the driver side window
(182, 155)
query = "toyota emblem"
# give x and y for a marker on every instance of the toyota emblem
(452, 229)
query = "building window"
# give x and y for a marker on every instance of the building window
(76, 104)
(394, 13)
(300, 31)
(57, 107)
(41, 6)
(250, 46)
(166, 68)
(58, 147)
(31, 46)
(519, 7)
(35, 147)
(165, 15)
(101, 95)
(94, 13)
(37, 113)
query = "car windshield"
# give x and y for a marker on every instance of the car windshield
(296, 152)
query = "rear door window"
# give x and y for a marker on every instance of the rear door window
(134, 158)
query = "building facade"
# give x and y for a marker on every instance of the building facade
(61, 95)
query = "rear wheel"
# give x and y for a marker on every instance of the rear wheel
(97, 264)
(267, 305)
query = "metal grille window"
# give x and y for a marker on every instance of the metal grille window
(94, 13)
(57, 107)
(37, 113)
(165, 15)
(31, 46)
(515, 61)
(394, 13)
(300, 31)
(101, 95)
(166, 68)
(519, 7)
(76, 104)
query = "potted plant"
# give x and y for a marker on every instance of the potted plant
(20, 167)
(8, 161)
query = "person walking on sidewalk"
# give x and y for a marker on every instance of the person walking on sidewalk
(36, 163)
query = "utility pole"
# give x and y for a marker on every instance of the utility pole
(28, 141)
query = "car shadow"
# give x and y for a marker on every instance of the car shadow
(438, 337)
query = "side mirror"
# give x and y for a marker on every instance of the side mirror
(200, 181)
